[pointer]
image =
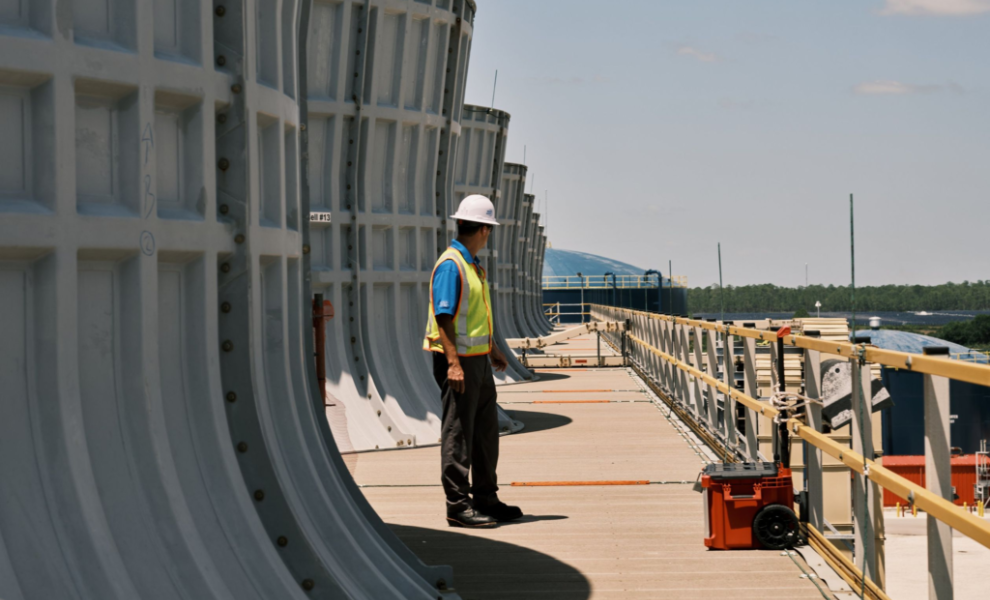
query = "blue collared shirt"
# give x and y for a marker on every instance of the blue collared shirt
(447, 282)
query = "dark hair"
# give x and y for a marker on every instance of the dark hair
(469, 227)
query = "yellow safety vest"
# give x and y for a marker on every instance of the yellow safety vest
(473, 317)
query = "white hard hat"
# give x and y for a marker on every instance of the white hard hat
(476, 208)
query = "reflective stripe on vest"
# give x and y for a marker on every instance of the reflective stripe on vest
(473, 317)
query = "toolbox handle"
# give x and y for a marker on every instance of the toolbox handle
(756, 495)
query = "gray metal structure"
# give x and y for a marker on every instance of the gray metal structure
(160, 436)
(509, 248)
(480, 168)
(386, 87)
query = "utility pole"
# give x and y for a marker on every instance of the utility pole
(721, 294)
(546, 209)
(805, 274)
(494, 85)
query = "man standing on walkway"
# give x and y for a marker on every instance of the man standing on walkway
(459, 335)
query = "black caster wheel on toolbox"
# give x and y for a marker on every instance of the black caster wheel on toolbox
(776, 527)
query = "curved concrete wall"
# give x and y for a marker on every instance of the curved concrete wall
(541, 250)
(386, 86)
(513, 184)
(480, 166)
(160, 438)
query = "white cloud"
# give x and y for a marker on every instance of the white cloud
(948, 8)
(695, 53)
(887, 87)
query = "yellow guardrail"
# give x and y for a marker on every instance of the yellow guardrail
(940, 508)
(563, 282)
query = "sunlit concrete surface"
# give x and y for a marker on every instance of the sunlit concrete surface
(907, 560)
(630, 541)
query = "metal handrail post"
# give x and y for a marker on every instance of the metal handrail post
(729, 378)
(938, 479)
(713, 371)
(813, 466)
(699, 394)
(749, 388)
(865, 491)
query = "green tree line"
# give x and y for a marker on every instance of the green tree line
(973, 334)
(771, 298)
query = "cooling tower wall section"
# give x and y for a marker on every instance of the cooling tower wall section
(541, 249)
(513, 186)
(479, 170)
(160, 438)
(386, 86)
(382, 147)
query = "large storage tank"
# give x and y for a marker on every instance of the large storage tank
(904, 423)
(160, 438)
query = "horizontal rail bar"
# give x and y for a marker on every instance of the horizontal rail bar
(940, 508)
(953, 369)
(560, 336)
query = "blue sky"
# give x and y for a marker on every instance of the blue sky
(660, 128)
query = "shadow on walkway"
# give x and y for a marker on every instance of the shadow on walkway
(486, 569)
(545, 376)
(538, 421)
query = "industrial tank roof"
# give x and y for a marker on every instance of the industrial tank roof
(905, 341)
(571, 262)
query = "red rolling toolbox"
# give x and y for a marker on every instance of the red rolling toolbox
(748, 505)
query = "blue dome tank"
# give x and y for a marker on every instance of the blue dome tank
(904, 423)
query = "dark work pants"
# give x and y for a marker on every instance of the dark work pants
(469, 434)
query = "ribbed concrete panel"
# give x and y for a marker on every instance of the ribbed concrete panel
(159, 437)
(527, 237)
(513, 186)
(385, 99)
(479, 170)
(537, 273)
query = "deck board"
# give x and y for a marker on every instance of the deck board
(579, 542)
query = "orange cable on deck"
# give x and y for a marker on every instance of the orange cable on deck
(569, 483)
(571, 401)
(582, 391)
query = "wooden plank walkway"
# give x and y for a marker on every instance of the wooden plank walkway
(631, 542)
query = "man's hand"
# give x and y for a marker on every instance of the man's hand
(455, 374)
(498, 359)
(455, 377)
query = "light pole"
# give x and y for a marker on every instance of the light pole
(582, 296)
(605, 277)
(818, 307)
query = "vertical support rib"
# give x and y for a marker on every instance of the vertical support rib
(938, 478)
(699, 398)
(812, 389)
(729, 377)
(712, 372)
(865, 492)
(749, 388)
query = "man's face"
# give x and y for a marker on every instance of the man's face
(486, 230)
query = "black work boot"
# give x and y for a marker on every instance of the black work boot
(501, 512)
(470, 518)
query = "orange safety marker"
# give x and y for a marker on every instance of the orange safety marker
(569, 483)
